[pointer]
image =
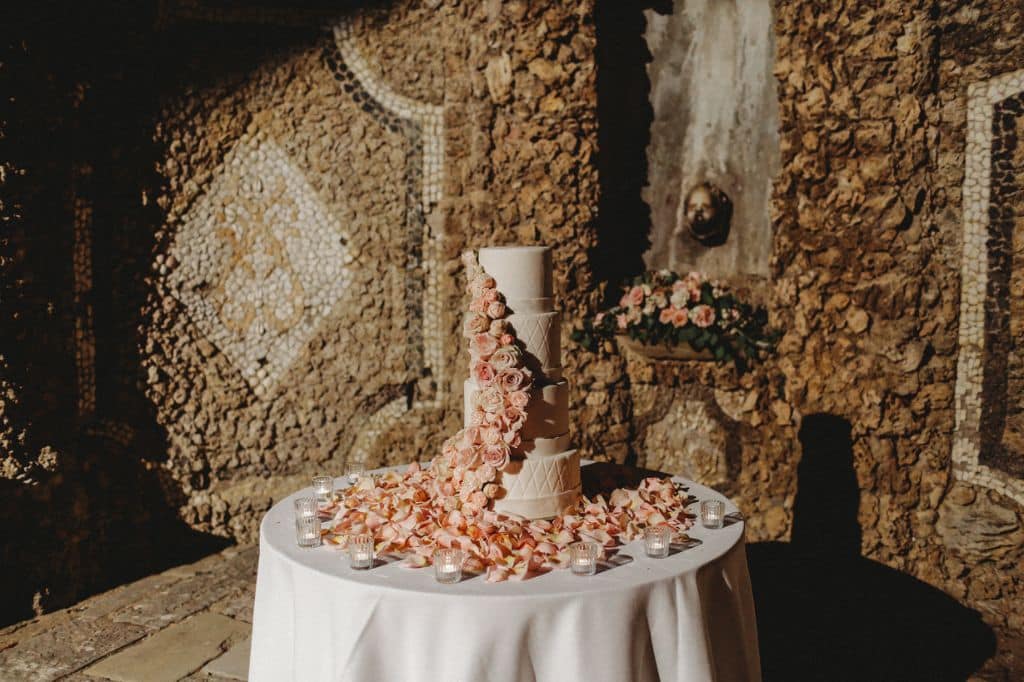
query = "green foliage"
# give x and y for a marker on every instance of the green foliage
(737, 332)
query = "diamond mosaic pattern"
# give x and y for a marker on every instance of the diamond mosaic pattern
(545, 476)
(540, 333)
(261, 261)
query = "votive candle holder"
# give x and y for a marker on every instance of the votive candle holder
(360, 551)
(657, 540)
(307, 522)
(583, 557)
(448, 565)
(355, 474)
(712, 513)
(323, 488)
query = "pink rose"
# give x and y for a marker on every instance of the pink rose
(519, 399)
(475, 324)
(513, 379)
(496, 455)
(495, 310)
(483, 345)
(491, 491)
(477, 417)
(477, 305)
(483, 372)
(703, 316)
(486, 473)
(490, 435)
(499, 328)
(693, 282)
(466, 457)
(635, 296)
(480, 283)
(680, 317)
(620, 321)
(624, 301)
(490, 296)
(471, 435)
(506, 357)
(513, 439)
(491, 399)
(478, 499)
(514, 417)
(665, 317)
(506, 339)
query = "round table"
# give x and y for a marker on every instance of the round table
(686, 617)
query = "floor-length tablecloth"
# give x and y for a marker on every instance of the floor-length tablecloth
(689, 617)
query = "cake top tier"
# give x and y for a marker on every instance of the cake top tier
(523, 273)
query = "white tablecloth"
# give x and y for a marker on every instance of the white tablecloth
(689, 617)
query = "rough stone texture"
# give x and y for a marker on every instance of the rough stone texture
(145, 432)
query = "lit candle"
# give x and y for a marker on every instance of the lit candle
(712, 513)
(323, 488)
(447, 565)
(307, 524)
(657, 540)
(361, 551)
(583, 558)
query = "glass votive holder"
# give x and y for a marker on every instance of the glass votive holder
(583, 557)
(657, 540)
(360, 551)
(354, 474)
(307, 523)
(448, 565)
(323, 488)
(712, 513)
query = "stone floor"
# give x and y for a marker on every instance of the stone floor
(189, 623)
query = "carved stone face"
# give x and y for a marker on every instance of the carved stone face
(708, 211)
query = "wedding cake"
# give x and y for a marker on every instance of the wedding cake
(542, 477)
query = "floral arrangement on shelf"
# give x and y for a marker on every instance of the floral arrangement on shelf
(445, 504)
(663, 308)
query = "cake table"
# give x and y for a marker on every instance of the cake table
(688, 617)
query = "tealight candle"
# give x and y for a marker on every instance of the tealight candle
(360, 551)
(354, 474)
(656, 541)
(712, 513)
(448, 565)
(323, 488)
(307, 523)
(583, 557)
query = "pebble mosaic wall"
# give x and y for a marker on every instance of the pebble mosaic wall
(985, 245)
(261, 261)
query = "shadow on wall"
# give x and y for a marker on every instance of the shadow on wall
(624, 122)
(826, 613)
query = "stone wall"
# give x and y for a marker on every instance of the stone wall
(250, 271)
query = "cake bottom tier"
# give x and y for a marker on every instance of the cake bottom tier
(540, 487)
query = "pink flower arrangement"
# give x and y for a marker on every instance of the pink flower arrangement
(663, 308)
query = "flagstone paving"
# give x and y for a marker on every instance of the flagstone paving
(191, 622)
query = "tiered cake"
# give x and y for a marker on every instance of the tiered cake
(543, 477)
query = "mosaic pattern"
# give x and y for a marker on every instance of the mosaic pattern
(423, 126)
(85, 336)
(984, 294)
(262, 261)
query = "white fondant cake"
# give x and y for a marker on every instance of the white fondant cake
(543, 477)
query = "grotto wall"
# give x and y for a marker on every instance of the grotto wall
(230, 261)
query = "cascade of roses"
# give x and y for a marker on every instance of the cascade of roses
(445, 504)
(480, 450)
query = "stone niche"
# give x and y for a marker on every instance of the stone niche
(715, 105)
